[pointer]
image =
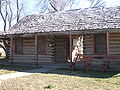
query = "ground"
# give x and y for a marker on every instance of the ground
(65, 79)
(6, 69)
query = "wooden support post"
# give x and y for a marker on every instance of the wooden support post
(36, 49)
(108, 51)
(11, 49)
(108, 48)
(70, 40)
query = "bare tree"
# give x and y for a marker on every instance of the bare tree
(54, 5)
(96, 3)
(6, 12)
(19, 9)
(10, 14)
(4, 44)
(3, 4)
(59, 5)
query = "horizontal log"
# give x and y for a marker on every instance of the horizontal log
(115, 50)
(59, 55)
(88, 52)
(29, 57)
(32, 44)
(60, 43)
(115, 53)
(18, 58)
(29, 41)
(115, 45)
(87, 43)
(60, 40)
(115, 37)
(14, 54)
(29, 50)
(112, 42)
(29, 53)
(48, 56)
(49, 51)
(23, 61)
(91, 38)
(46, 61)
(88, 47)
(114, 34)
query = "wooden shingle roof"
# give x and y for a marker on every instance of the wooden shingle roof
(73, 20)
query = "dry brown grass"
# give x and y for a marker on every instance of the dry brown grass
(63, 79)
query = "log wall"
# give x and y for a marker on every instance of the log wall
(48, 57)
(114, 43)
(88, 44)
(61, 48)
(114, 51)
(29, 54)
(100, 60)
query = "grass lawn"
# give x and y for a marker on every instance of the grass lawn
(6, 69)
(65, 79)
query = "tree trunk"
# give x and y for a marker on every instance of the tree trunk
(5, 47)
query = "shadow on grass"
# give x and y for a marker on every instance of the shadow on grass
(64, 71)
(16, 68)
(83, 73)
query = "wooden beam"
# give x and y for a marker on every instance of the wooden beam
(70, 40)
(36, 49)
(108, 48)
(11, 49)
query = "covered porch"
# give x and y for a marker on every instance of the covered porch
(96, 50)
(100, 51)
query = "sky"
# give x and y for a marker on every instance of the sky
(32, 9)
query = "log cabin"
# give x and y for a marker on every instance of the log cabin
(50, 37)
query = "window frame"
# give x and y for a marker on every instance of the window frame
(95, 44)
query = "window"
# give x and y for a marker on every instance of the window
(42, 45)
(19, 45)
(100, 43)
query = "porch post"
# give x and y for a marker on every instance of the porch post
(36, 49)
(108, 49)
(70, 40)
(11, 49)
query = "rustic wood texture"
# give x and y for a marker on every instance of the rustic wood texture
(108, 44)
(36, 49)
(109, 60)
(61, 48)
(114, 41)
(30, 54)
(11, 49)
(70, 40)
(87, 20)
(88, 44)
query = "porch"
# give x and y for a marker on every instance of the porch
(105, 55)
